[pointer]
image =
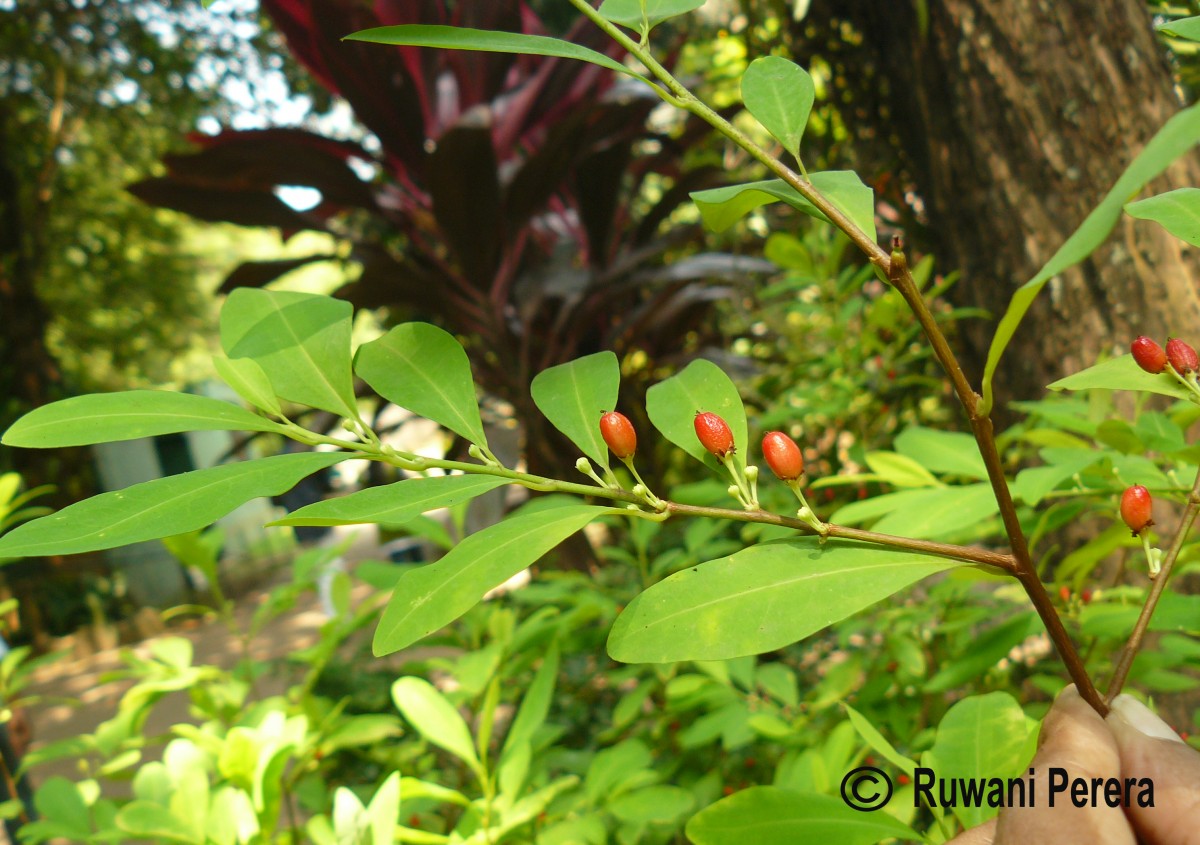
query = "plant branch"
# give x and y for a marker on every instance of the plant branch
(1125, 662)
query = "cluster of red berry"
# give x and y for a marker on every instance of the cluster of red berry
(780, 451)
(1154, 359)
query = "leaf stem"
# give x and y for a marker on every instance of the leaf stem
(1129, 652)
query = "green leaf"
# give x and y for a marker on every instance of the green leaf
(535, 706)
(1176, 137)
(900, 470)
(424, 369)
(1032, 485)
(246, 377)
(1176, 211)
(767, 815)
(872, 737)
(722, 207)
(780, 95)
(462, 38)
(575, 394)
(435, 595)
(984, 736)
(144, 820)
(628, 13)
(659, 804)
(701, 386)
(300, 340)
(59, 800)
(108, 417)
(1122, 374)
(941, 512)
(394, 504)
(161, 508)
(434, 718)
(384, 809)
(761, 599)
(950, 452)
(1188, 28)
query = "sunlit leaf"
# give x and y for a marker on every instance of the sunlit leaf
(246, 377)
(575, 394)
(1176, 137)
(301, 341)
(779, 93)
(424, 369)
(393, 504)
(722, 207)
(434, 595)
(1176, 211)
(672, 405)
(1122, 373)
(108, 417)
(162, 507)
(435, 718)
(761, 599)
(1188, 28)
(767, 815)
(629, 13)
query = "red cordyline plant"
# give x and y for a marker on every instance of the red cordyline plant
(293, 347)
(502, 202)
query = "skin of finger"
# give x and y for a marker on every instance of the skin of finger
(1174, 769)
(1076, 739)
(985, 834)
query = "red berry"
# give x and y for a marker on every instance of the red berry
(714, 434)
(1064, 593)
(1182, 357)
(1135, 508)
(1148, 355)
(618, 433)
(782, 455)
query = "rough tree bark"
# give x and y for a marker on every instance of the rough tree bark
(1012, 119)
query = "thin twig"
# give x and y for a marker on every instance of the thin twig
(1125, 661)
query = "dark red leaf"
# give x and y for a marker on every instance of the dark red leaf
(465, 187)
(245, 208)
(255, 274)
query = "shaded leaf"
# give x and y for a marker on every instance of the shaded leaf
(109, 417)
(249, 381)
(628, 13)
(1122, 373)
(1188, 28)
(672, 405)
(162, 507)
(256, 274)
(760, 599)
(465, 188)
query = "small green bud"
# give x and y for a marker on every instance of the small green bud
(734, 491)
(639, 490)
(584, 466)
(475, 452)
(752, 474)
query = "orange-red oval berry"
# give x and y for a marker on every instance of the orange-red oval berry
(714, 434)
(618, 433)
(782, 455)
(1182, 356)
(1148, 355)
(1136, 506)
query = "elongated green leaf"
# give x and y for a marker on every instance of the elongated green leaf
(144, 820)
(1176, 211)
(768, 815)
(462, 38)
(107, 417)
(722, 207)
(535, 706)
(301, 341)
(434, 718)
(629, 12)
(1188, 28)
(393, 504)
(249, 380)
(1177, 136)
(162, 507)
(780, 95)
(900, 470)
(761, 599)
(941, 512)
(424, 369)
(660, 803)
(981, 736)
(952, 452)
(1122, 374)
(877, 741)
(701, 386)
(435, 595)
(575, 394)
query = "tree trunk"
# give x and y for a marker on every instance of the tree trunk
(1012, 119)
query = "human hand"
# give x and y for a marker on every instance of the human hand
(1131, 742)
